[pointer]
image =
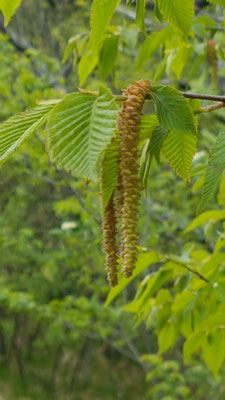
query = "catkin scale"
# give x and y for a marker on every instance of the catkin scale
(129, 183)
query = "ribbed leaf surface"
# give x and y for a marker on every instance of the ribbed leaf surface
(109, 171)
(179, 149)
(157, 140)
(173, 109)
(79, 130)
(178, 13)
(214, 170)
(101, 14)
(16, 129)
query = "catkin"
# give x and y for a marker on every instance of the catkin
(109, 242)
(213, 62)
(129, 186)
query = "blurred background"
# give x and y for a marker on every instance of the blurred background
(57, 340)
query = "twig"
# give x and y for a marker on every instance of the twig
(184, 265)
(208, 109)
(200, 96)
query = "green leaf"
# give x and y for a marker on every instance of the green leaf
(214, 215)
(109, 171)
(15, 130)
(144, 260)
(173, 109)
(213, 350)
(178, 13)
(217, 2)
(79, 130)
(8, 7)
(157, 139)
(86, 65)
(151, 44)
(192, 343)
(147, 126)
(214, 170)
(151, 148)
(108, 55)
(71, 47)
(179, 149)
(101, 14)
(182, 300)
(140, 14)
(167, 337)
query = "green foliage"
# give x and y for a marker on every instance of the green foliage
(101, 14)
(79, 129)
(179, 14)
(8, 7)
(179, 149)
(140, 14)
(14, 131)
(109, 171)
(214, 170)
(173, 110)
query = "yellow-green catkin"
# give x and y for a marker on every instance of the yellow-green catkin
(129, 183)
(109, 242)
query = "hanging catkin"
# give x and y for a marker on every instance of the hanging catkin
(213, 62)
(129, 183)
(109, 242)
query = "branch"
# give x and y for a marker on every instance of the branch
(184, 265)
(211, 97)
(208, 109)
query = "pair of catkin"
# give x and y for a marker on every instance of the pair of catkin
(128, 188)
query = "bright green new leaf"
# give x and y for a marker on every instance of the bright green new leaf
(167, 337)
(109, 171)
(151, 148)
(140, 14)
(79, 130)
(108, 55)
(213, 350)
(144, 260)
(86, 65)
(151, 44)
(178, 13)
(179, 149)
(148, 124)
(15, 130)
(157, 139)
(173, 109)
(101, 14)
(214, 215)
(8, 7)
(214, 170)
(192, 344)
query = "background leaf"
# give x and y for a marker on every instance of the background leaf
(140, 14)
(8, 7)
(214, 170)
(101, 14)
